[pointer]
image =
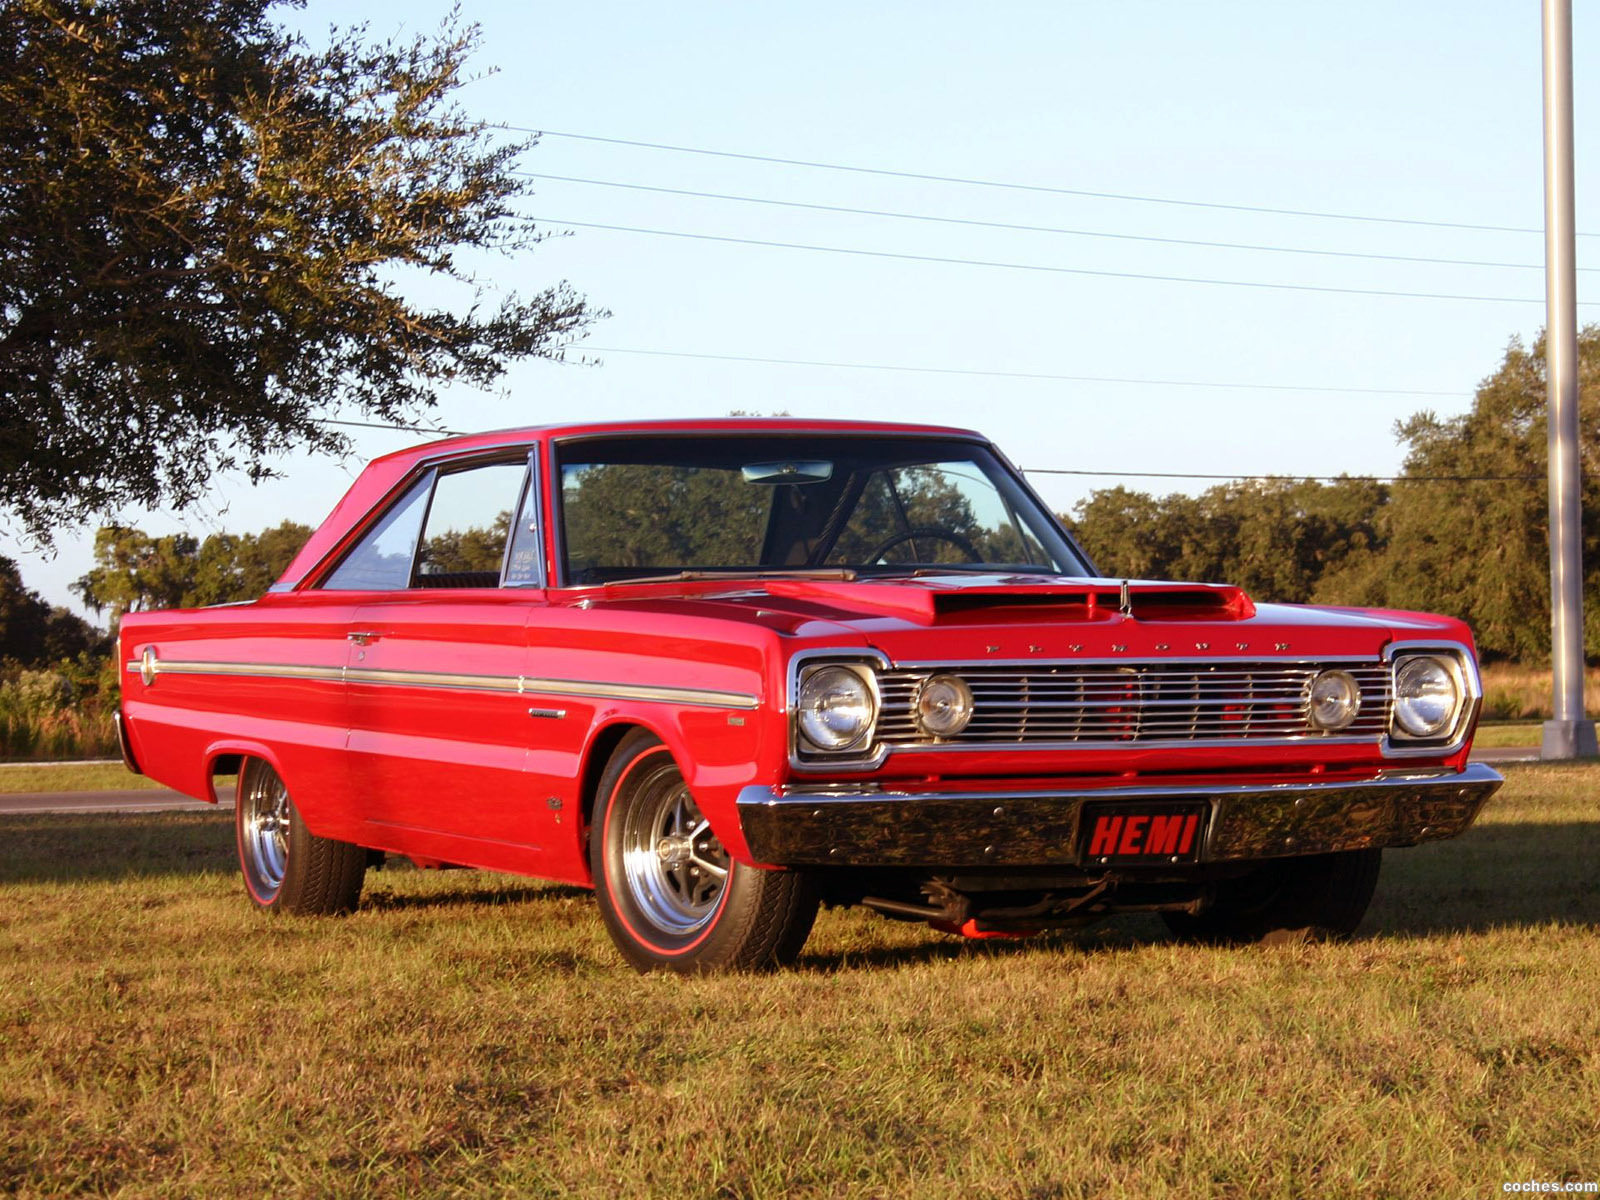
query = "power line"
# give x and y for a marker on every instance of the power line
(1021, 187)
(1108, 474)
(1293, 478)
(1041, 267)
(400, 428)
(849, 366)
(1007, 225)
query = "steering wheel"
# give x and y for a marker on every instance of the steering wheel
(926, 531)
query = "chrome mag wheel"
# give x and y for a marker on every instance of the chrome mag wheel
(264, 830)
(674, 866)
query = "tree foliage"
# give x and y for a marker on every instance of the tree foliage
(1275, 538)
(206, 226)
(134, 571)
(33, 632)
(1480, 548)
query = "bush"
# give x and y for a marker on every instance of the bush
(56, 713)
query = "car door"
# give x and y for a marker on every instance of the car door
(439, 732)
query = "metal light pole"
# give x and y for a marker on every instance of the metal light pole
(1569, 734)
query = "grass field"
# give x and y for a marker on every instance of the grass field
(465, 1034)
(1515, 733)
(68, 777)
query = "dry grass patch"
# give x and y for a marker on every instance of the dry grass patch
(1514, 693)
(467, 1034)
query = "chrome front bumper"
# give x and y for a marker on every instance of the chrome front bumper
(809, 825)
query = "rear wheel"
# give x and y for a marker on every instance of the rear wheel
(1319, 897)
(286, 867)
(672, 896)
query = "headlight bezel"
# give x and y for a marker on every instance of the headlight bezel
(1461, 667)
(864, 751)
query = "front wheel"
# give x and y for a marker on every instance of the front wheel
(286, 867)
(1317, 897)
(672, 896)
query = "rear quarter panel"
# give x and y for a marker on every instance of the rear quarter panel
(213, 692)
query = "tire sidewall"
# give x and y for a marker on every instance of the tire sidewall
(641, 941)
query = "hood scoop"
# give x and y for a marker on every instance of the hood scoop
(925, 600)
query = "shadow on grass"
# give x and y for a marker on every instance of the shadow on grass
(378, 898)
(82, 847)
(1491, 876)
(1116, 933)
(1496, 875)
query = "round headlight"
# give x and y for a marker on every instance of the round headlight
(944, 706)
(835, 708)
(1334, 699)
(1427, 696)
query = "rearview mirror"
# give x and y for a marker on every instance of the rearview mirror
(774, 473)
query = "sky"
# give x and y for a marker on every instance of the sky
(1415, 118)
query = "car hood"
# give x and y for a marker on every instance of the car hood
(990, 617)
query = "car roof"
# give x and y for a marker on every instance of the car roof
(670, 427)
(383, 473)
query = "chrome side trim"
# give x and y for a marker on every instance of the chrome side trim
(704, 697)
(151, 667)
(436, 679)
(865, 825)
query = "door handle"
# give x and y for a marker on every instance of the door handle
(362, 637)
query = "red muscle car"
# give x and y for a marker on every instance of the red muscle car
(723, 671)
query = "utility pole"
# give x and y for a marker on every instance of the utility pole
(1570, 734)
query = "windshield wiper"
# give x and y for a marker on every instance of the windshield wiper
(962, 569)
(737, 573)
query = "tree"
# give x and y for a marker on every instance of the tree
(1467, 529)
(1275, 538)
(35, 633)
(206, 225)
(134, 571)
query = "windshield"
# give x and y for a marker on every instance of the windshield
(633, 508)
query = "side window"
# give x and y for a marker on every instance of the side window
(524, 564)
(381, 561)
(449, 530)
(468, 525)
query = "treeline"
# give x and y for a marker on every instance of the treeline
(1464, 531)
(53, 670)
(58, 673)
(134, 571)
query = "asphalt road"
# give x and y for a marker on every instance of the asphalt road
(127, 800)
(161, 800)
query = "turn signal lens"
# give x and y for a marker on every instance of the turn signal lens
(944, 706)
(1427, 696)
(1333, 699)
(835, 708)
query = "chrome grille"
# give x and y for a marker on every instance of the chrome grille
(1139, 702)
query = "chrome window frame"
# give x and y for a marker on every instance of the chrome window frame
(428, 471)
(557, 537)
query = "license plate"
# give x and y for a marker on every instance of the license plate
(1119, 834)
